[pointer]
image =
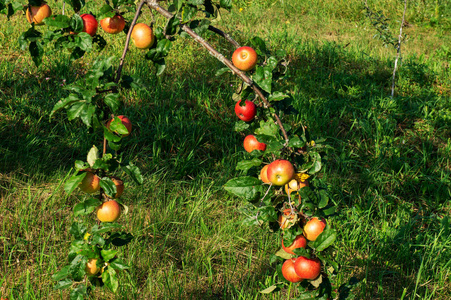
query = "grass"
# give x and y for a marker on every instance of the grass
(389, 171)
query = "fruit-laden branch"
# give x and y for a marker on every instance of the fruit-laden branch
(153, 4)
(127, 41)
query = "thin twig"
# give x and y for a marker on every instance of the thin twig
(224, 35)
(127, 41)
(398, 50)
(213, 52)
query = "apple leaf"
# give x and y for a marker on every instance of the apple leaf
(93, 155)
(72, 98)
(77, 4)
(263, 78)
(120, 238)
(222, 71)
(316, 282)
(268, 128)
(270, 289)
(277, 96)
(108, 186)
(73, 182)
(63, 284)
(161, 66)
(105, 11)
(109, 254)
(106, 227)
(325, 239)
(36, 51)
(86, 207)
(78, 230)
(77, 267)
(76, 23)
(246, 187)
(296, 142)
(245, 165)
(61, 274)
(282, 253)
(241, 126)
(324, 198)
(78, 292)
(118, 264)
(260, 45)
(110, 279)
(172, 25)
(188, 12)
(227, 4)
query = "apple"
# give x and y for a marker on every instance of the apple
(109, 211)
(299, 242)
(38, 13)
(287, 218)
(244, 58)
(113, 25)
(246, 112)
(307, 268)
(89, 24)
(91, 267)
(280, 172)
(125, 121)
(288, 271)
(142, 36)
(90, 184)
(264, 174)
(250, 144)
(313, 228)
(119, 187)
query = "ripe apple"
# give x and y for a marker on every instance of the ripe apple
(89, 24)
(287, 218)
(142, 36)
(113, 25)
(307, 268)
(125, 121)
(299, 242)
(38, 13)
(313, 228)
(246, 112)
(288, 271)
(119, 187)
(90, 184)
(244, 58)
(280, 172)
(109, 211)
(264, 174)
(91, 267)
(251, 143)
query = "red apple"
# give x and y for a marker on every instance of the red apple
(246, 112)
(264, 174)
(288, 271)
(38, 13)
(244, 58)
(251, 143)
(299, 242)
(125, 121)
(90, 184)
(89, 24)
(142, 36)
(313, 228)
(109, 211)
(113, 25)
(307, 268)
(280, 172)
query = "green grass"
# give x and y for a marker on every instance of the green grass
(389, 170)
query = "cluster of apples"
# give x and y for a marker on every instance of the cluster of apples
(142, 35)
(110, 210)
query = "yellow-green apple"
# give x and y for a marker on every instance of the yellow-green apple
(246, 112)
(307, 268)
(89, 24)
(90, 184)
(289, 272)
(91, 267)
(251, 143)
(37, 14)
(280, 172)
(125, 121)
(113, 25)
(109, 211)
(313, 228)
(264, 174)
(244, 58)
(142, 36)
(299, 242)
(119, 187)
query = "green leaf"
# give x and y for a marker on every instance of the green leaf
(283, 254)
(86, 207)
(269, 289)
(161, 66)
(245, 165)
(268, 127)
(36, 51)
(72, 98)
(77, 230)
(119, 264)
(78, 292)
(227, 4)
(83, 41)
(120, 238)
(324, 199)
(109, 254)
(134, 172)
(93, 155)
(76, 23)
(105, 11)
(108, 186)
(61, 274)
(63, 284)
(325, 239)
(77, 4)
(246, 187)
(77, 267)
(277, 96)
(187, 13)
(106, 227)
(73, 182)
(263, 78)
(110, 136)
(241, 126)
(296, 142)
(172, 25)
(112, 100)
(59, 21)
(222, 71)
(196, 2)
(259, 45)
(110, 279)
(271, 62)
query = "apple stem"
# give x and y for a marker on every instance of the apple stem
(127, 41)
(153, 4)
